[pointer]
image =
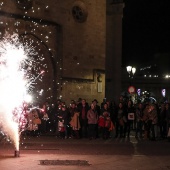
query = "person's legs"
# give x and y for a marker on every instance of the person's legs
(90, 131)
(153, 131)
(65, 129)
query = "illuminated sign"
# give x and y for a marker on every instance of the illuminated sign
(131, 89)
(163, 92)
(139, 92)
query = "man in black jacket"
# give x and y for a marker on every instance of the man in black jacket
(83, 108)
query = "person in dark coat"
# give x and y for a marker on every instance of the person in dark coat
(83, 109)
(128, 124)
(120, 120)
(97, 108)
(92, 117)
(162, 121)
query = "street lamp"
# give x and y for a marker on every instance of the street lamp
(131, 71)
(131, 89)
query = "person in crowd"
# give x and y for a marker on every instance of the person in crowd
(120, 120)
(63, 118)
(92, 117)
(110, 108)
(145, 121)
(105, 109)
(78, 103)
(45, 119)
(101, 126)
(152, 121)
(34, 122)
(102, 104)
(139, 120)
(122, 100)
(83, 109)
(129, 117)
(58, 108)
(53, 119)
(75, 123)
(107, 125)
(41, 126)
(105, 115)
(71, 110)
(113, 112)
(162, 121)
(97, 108)
(168, 120)
(73, 107)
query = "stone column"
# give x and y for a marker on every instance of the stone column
(113, 62)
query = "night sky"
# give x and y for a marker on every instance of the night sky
(146, 32)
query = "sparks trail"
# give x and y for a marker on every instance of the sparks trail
(30, 83)
(16, 79)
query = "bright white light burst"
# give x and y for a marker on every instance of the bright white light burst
(15, 61)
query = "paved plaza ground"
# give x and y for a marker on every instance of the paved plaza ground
(51, 153)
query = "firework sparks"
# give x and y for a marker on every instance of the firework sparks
(15, 76)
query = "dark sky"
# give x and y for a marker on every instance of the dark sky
(146, 30)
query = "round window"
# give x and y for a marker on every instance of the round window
(79, 12)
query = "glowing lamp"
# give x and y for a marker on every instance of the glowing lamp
(129, 68)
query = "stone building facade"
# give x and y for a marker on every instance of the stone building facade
(73, 38)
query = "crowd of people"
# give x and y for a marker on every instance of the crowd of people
(91, 120)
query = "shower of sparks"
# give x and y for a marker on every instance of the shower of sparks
(16, 79)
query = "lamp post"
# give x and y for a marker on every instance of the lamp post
(131, 71)
(131, 89)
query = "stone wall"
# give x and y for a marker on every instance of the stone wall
(72, 34)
